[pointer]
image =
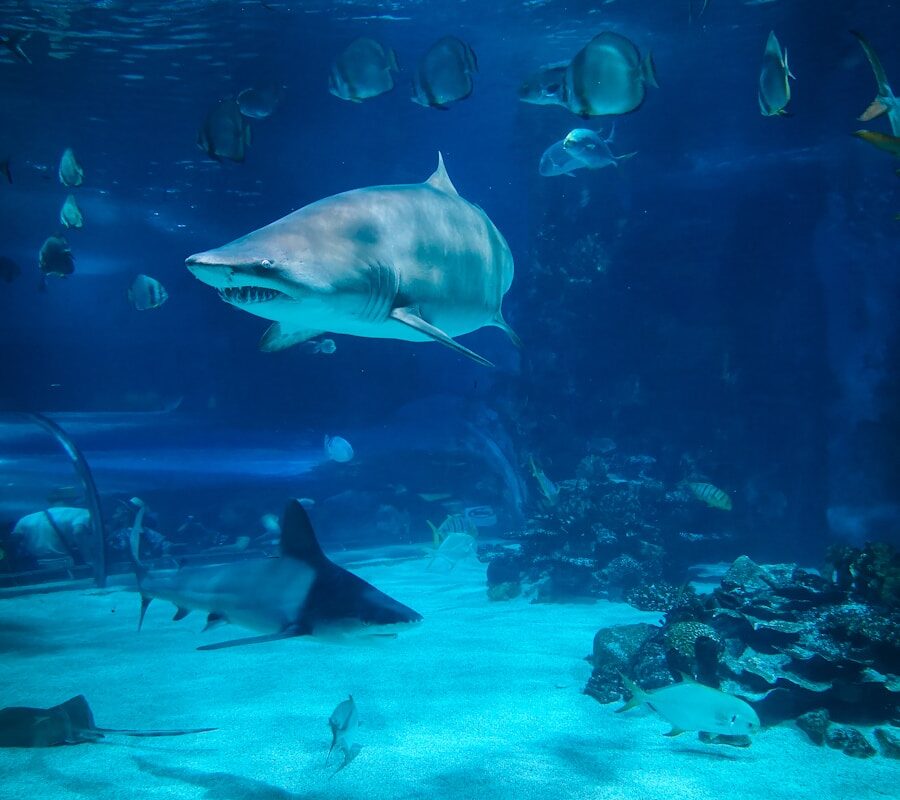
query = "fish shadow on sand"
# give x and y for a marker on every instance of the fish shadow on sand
(707, 752)
(16, 637)
(78, 784)
(580, 757)
(223, 785)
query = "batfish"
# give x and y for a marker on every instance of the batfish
(71, 722)
(415, 262)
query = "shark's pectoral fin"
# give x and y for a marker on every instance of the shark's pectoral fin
(276, 338)
(410, 317)
(501, 323)
(213, 620)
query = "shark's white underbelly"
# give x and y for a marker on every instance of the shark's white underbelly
(267, 595)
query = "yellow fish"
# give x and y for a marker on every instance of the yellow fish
(883, 141)
(713, 496)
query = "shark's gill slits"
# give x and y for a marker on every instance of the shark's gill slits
(244, 295)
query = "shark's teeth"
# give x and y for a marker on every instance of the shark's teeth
(244, 295)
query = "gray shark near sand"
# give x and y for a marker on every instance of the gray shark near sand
(300, 593)
(412, 261)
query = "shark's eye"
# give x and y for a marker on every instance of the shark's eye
(733, 718)
(553, 88)
(265, 263)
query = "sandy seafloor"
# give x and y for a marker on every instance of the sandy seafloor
(480, 700)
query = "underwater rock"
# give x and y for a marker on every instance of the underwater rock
(815, 725)
(693, 648)
(872, 573)
(614, 650)
(889, 741)
(850, 740)
(621, 574)
(657, 596)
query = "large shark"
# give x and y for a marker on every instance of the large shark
(410, 261)
(300, 593)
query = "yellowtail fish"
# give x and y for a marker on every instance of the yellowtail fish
(548, 488)
(691, 706)
(883, 141)
(713, 496)
(774, 89)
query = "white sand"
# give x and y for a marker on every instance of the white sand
(481, 700)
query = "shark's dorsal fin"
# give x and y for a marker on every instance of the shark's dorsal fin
(298, 539)
(440, 179)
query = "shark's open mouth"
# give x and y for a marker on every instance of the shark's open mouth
(244, 295)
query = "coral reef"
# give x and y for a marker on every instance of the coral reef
(792, 642)
(612, 531)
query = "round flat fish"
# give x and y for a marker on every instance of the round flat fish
(70, 171)
(147, 293)
(557, 160)
(774, 87)
(362, 71)
(608, 76)
(338, 449)
(225, 132)
(444, 74)
(55, 257)
(259, 102)
(70, 214)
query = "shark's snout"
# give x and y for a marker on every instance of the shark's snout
(239, 284)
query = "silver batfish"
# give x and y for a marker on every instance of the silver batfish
(413, 261)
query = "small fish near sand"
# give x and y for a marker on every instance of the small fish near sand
(712, 495)
(774, 87)
(344, 723)
(365, 69)
(548, 488)
(70, 214)
(691, 706)
(68, 723)
(147, 293)
(225, 132)
(70, 171)
(55, 258)
(444, 74)
(338, 449)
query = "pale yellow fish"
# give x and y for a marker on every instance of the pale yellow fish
(713, 496)
(691, 706)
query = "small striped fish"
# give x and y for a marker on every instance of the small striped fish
(454, 523)
(146, 293)
(713, 496)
